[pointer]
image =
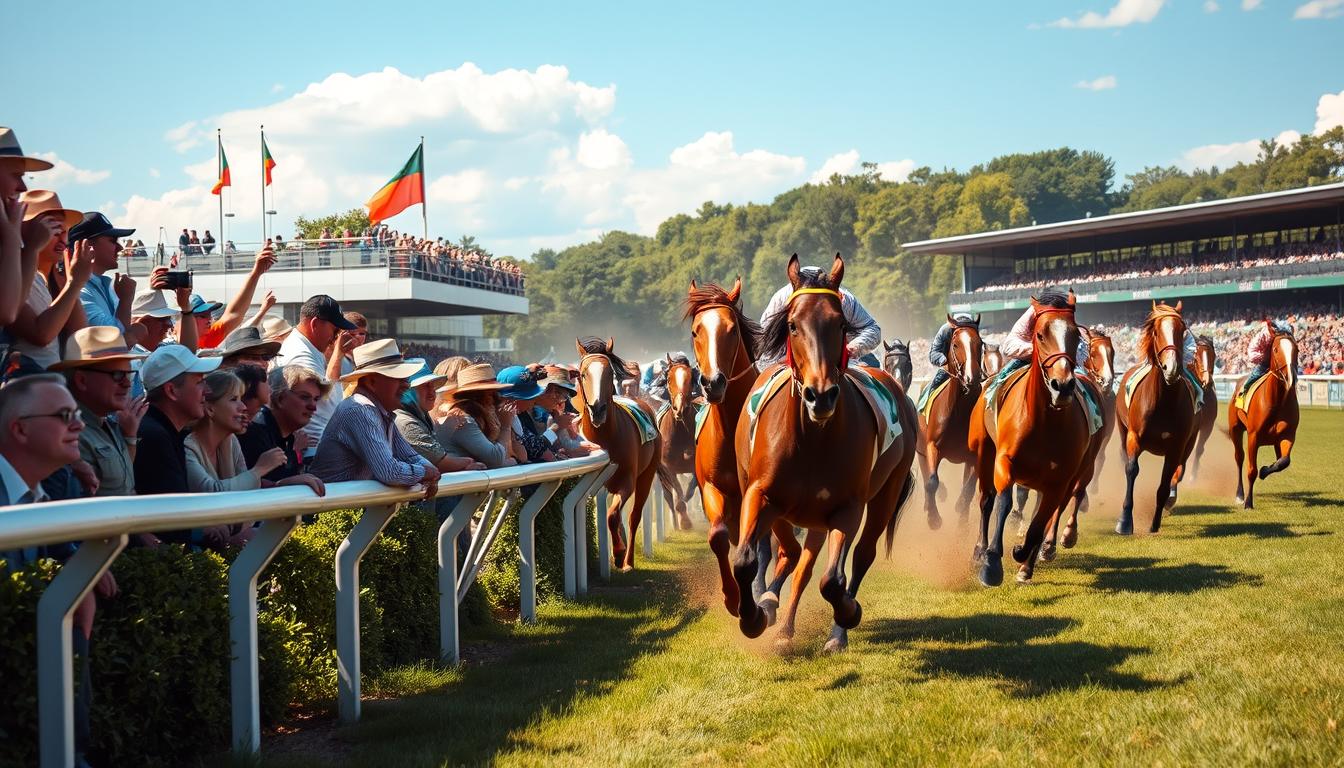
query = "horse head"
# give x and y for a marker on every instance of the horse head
(1163, 336)
(1283, 357)
(814, 337)
(1054, 345)
(679, 386)
(963, 354)
(991, 360)
(894, 352)
(599, 371)
(1205, 357)
(722, 337)
(1100, 357)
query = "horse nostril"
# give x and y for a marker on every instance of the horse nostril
(832, 396)
(809, 395)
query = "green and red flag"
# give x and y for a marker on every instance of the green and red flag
(267, 162)
(404, 190)
(224, 179)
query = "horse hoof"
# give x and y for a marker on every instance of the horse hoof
(1047, 554)
(935, 521)
(1024, 578)
(978, 556)
(769, 604)
(835, 645)
(1070, 537)
(854, 618)
(627, 568)
(1248, 504)
(1019, 553)
(991, 572)
(1171, 501)
(783, 644)
(731, 604)
(1264, 472)
(1125, 527)
(752, 626)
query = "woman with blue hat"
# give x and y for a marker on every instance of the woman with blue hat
(524, 391)
(414, 422)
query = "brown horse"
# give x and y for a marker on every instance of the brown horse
(611, 427)
(1040, 442)
(1100, 368)
(991, 361)
(1205, 357)
(1159, 416)
(676, 427)
(943, 434)
(896, 362)
(1270, 417)
(817, 461)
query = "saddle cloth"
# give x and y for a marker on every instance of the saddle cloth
(1196, 391)
(1091, 408)
(648, 431)
(927, 396)
(700, 413)
(883, 404)
(1243, 399)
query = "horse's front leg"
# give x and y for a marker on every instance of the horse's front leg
(720, 542)
(967, 490)
(1252, 457)
(1236, 431)
(750, 618)
(1283, 450)
(785, 561)
(1125, 525)
(929, 467)
(615, 527)
(991, 571)
(1019, 512)
(801, 575)
(846, 610)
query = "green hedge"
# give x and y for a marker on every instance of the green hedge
(160, 650)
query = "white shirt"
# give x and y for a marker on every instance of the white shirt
(39, 300)
(14, 486)
(297, 350)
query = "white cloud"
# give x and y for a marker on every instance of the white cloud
(278, 88)
(1329, 112)
(1250, 5)
(1227, 155)
(154, 173)
(601, 151)
(1103, 83)
(63, 173)
(1210, 6)
(848, 164)
(1319, 9)
(1122, 14)
(898, 170)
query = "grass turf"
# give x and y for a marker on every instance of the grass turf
(1218, 641)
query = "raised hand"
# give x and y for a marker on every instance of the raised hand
(267, 302)
(129, 418)
(265, 260)
(79, 265)
(270, 460)
(124, 287)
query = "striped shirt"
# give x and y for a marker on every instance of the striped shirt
(361, 442)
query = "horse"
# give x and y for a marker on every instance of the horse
(896, 362)
(676, 427)
(617, 433)
(943, 432)
(822, 462)
(1270, 417)
(991, 361)
(1159, 416)
(1205, 357)
(1041, 440)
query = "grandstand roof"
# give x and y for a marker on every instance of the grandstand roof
(1287, 209)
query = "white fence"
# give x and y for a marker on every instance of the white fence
(1313, 391)
(103, 525)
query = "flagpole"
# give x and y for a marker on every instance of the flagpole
(424, 204)
(219, 173)
(263, 185)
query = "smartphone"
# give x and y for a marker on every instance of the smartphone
(174, 280)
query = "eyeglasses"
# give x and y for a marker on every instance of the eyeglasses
(120, 377)
(67, 416)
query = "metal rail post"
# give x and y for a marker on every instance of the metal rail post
(648, 526)
(457, 521)
(55, 651)
(575, 534)
(527, 550)
(603, 535)
(348, 555)
(658, 506)
(245, 690)
(581, 521)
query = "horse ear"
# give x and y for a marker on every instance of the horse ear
(669, 359)
(611, 343)
(951, 321)
(887, 345)
(693, 286)
(977, 319)
(579, 346)
(837, 271)
(1178, 304)
(795, 272)
(736, 292)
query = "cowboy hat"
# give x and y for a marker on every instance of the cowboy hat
(94, 345)
(42, 201)
(557, 376)
(245, 339)
(10, 150)
(475, 378)
(382, 356)
(152, 304)
(275, 328)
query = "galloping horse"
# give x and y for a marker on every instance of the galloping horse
(943, 433)
(1100, 367)
(991, 361)
(1205, 357)
(896, 362)
(819, 460)
(608, 424)
(676, 427)
(1040, 439)
(1159, 415)
(1270, 416)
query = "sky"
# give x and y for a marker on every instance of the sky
(548, 124)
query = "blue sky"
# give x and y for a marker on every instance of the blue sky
(546, 124)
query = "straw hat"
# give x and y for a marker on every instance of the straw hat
(475, 378)
(42, 201)
(10, 150)
(382, 356)
(246, 338)
(558, 376)
(152, 304)
(94, 345)
(275, 328)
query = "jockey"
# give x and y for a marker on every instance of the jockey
(1257, 352)
(938, 351)
(657, 387)
(863, 337)
(1016, 346)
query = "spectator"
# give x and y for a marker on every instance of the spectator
(448, 368)
(320, 320)
(97, 368)
(295, 393)
(339, 360)
(413, 421)
(37, 328)
(194, 248)
(208, 242)
(560, 387)
(236, 312)
(275, 328)
(483, 434)
(244, 346)
(21, 237)
(106, 300)
(256, 389)
(524, 392)
(361, 441)
(184, 243)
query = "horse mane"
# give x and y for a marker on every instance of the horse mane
(774, 338)
(1203, 339)
(595, 346)
(1146, 351)
(713, 295)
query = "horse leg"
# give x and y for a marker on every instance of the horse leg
(785, 561)
(1170, 464)
(991, 569)
(691, 487)
(618, 542)
(1236, 431)
(765, 554)
(801, 576)
(1252, 457)
(1051, 501)
(1071, 528)
(750, 617)
(643, 487)
(985, 479)
(720, 542)
(1283, 457)
(929, 466)
(1019, 512)
(1125, 525)
(846, 611)
(967, 490)
(865, 550)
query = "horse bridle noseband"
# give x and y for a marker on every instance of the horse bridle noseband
(1280, 371)
(788, 345)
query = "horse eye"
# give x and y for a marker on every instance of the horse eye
(792, 328)
(1040, 337)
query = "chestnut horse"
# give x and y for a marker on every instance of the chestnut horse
(608, 425)
(1041, 440)
(896, 362)
(943, 434)
(816, 461)
(1269, 418)
(1159, 416)
(676, 427)
(1205, 357)
(991, 362)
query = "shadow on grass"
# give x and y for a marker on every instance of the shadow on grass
(1190, 510)
(978, 628)
(843, 681)
(1149, 574)
(1258, 530)
(1304, 498)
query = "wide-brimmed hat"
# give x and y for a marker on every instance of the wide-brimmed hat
(42, 201)
(151, 304)
(94, 224)
(275, 328)
(425, 375)
(10, 149)
(94, 345)
(557, 376)
(382, 356)
(522, 383)
(475, 378)
(244, 339)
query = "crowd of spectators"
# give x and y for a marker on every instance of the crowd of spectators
(1205, 259)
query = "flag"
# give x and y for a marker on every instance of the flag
(404, 190)
(267, 162)
(224, 179)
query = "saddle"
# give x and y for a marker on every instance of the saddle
(886, 410)
(1196, 392)
(648, 430)
(927, 396)
(1244, 398)
(992, 405)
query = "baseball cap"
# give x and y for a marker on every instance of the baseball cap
(151, 304)
(201, 306)
(323, 307)
(94, 225)
(170, 361)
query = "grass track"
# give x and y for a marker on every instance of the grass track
(1219, 641)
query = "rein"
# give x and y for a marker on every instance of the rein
(1052, 358)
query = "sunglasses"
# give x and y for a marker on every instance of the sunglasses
(67, 416)
(120, 377)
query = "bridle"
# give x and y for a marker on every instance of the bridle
(1280, 372)
(741, 342)
(956, 369)
(583, 367)
(788, 345)
(1053, 357)
(1173, 347)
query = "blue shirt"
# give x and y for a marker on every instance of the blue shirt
(100, 301)
(14, 491)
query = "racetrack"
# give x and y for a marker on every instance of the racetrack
(1219, 641)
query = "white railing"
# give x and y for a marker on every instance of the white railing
(1313, 391)
(103, 525)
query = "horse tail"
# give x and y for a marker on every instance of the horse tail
(906, 491)
(669, 483)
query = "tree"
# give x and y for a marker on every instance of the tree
(355, 219)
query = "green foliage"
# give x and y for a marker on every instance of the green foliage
(356, 219)
(19, 592)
